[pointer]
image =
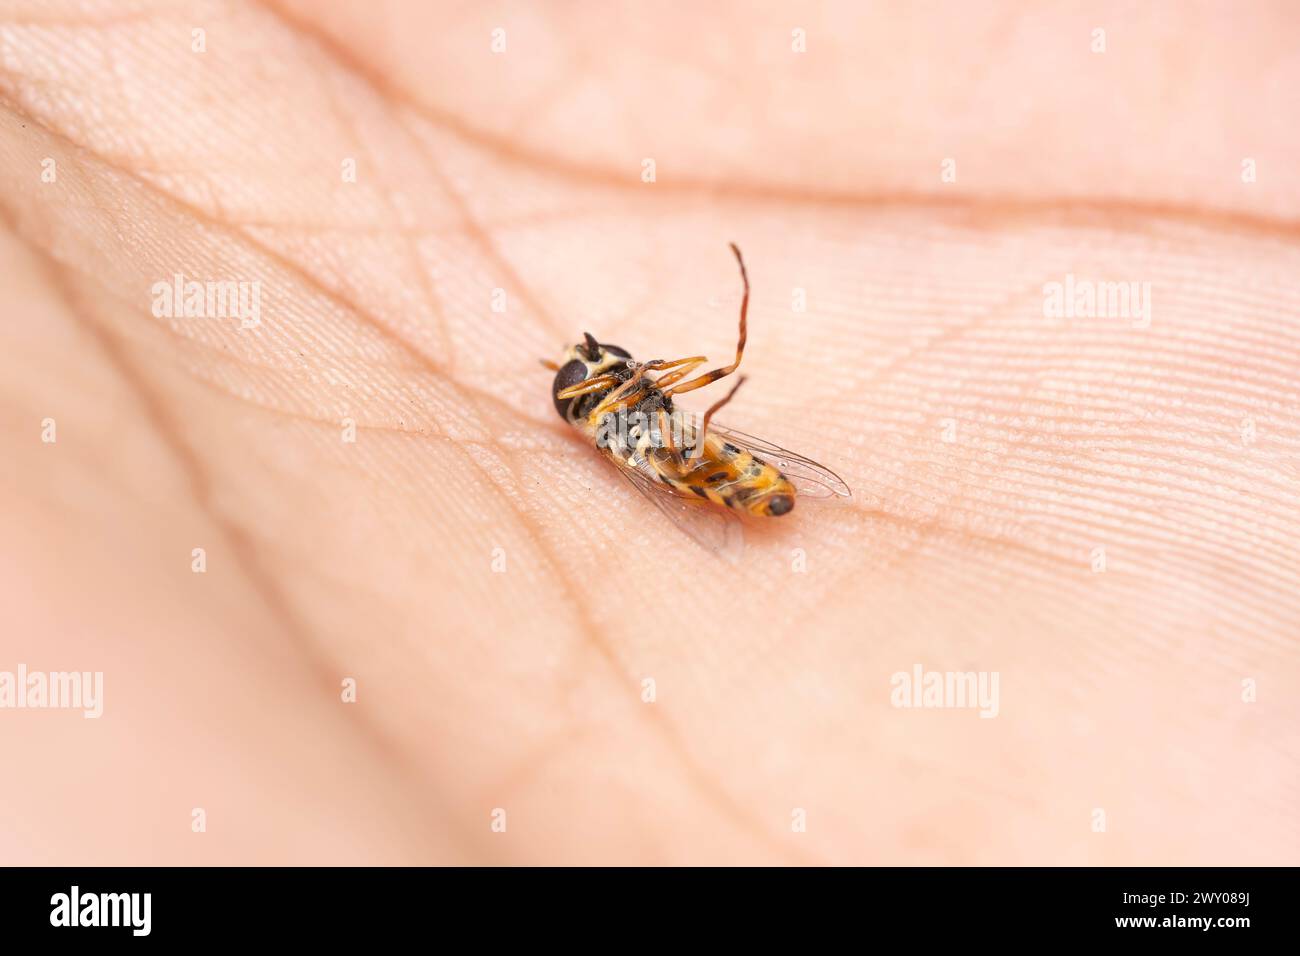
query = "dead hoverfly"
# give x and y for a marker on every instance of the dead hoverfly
(701, 475)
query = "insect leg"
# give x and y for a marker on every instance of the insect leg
(605, 381)
(615, 397)
(688, 366)
(663, 365)
(665, 434)
(704, 428)
(710, 377)
(654, 365)
(672, 453)
(549, 364)
(586, 386)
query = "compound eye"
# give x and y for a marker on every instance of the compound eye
(621, 353)
(571, 373)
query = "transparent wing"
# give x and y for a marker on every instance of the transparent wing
(714, 529)
(809, 478)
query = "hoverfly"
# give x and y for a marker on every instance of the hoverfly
(701, 475)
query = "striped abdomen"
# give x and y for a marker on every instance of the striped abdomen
(734, 478)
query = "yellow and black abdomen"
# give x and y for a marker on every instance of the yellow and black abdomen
(735, 478)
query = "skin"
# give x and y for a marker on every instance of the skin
(1102, 512)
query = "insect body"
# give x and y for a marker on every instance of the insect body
(695, 473)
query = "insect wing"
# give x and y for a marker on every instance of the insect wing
(712, 528)
(810, 479)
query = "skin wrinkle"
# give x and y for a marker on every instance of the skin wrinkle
(428, 363)
(533, 111)
(1062, 562)
(999, 208)
(1104, 454)
(272, 255)
(242, 548)
(518, 778)
(1084, 518)
(593, 636)
(240, 545)
(426, 282)
(951, 334)
(488, 247)
(1077, 464)
(1139, 517)
(923, 530)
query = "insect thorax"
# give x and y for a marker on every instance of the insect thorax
(645, 426)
